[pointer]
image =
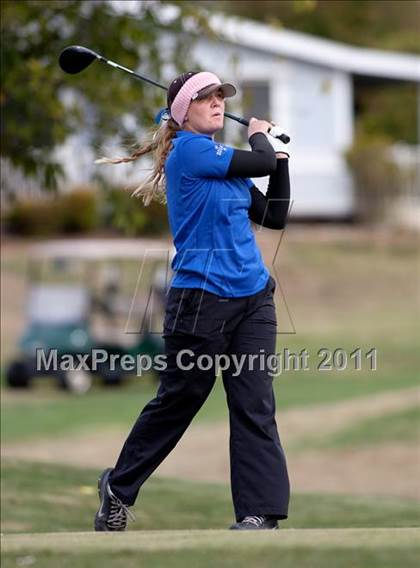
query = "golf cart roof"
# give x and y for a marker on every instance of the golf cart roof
(102, 249)
(57, 304)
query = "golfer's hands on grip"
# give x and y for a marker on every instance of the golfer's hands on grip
(256, 125)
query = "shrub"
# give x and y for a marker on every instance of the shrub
(79, 211)
(83, 210)
(74, 212)
(156, 219)
(377, 178)
(33, 218)
(129, 215)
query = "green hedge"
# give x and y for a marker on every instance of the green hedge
(377, 179)
(129, 216)
(84, 210)
(75, 212)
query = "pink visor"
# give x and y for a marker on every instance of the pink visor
(191, 90)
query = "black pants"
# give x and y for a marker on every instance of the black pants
(208, 324)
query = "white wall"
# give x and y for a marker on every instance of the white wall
(313, 104)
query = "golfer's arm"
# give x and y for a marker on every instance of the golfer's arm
(260, 162)
(270, 210)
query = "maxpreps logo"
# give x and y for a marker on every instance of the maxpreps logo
(220, 149)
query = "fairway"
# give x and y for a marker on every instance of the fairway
(351, 439)
(213, 539)
(303, 547)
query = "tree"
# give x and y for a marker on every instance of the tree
(382, 24)
(41, 105)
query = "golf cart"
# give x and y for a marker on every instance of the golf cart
(91, 295)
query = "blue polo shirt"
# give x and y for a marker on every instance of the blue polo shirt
(208, 216)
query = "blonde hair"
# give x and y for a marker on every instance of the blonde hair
(159, 143)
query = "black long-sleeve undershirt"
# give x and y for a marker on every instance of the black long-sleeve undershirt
(269, 210)
(260, 162)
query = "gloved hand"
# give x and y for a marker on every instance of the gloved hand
(277, 145)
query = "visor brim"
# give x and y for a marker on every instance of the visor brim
(227, 89)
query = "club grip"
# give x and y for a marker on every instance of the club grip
(283, 137)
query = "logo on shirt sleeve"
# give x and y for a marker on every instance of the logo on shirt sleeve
(220, 149)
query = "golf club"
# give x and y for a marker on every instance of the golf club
(76, 58)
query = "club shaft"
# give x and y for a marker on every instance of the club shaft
(136, 75)
(283, 137)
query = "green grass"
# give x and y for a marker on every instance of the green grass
(205, 549)
(401, 427)
(304, 557)
(49, 412)
(347, 300)
(50, 498)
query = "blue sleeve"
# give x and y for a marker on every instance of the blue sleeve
(249, 182)
(202, 157)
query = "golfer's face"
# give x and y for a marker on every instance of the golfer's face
(206, 115)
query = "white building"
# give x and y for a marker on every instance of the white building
(305, 85)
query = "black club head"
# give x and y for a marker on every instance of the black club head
(76, 58)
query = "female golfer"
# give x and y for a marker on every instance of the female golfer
(220, 302)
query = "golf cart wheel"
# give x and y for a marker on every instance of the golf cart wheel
(18, 375)
(78, 382)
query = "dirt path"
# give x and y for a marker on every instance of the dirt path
(203, 454)
(326, 419)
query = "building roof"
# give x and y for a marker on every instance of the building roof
(311, 49)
